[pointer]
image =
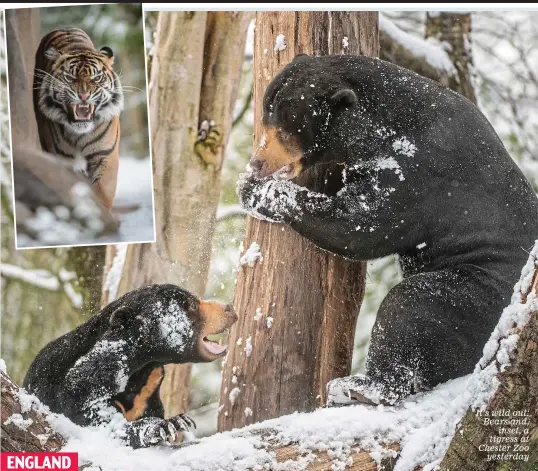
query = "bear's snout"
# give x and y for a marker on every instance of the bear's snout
(256, 164)
(230, 312)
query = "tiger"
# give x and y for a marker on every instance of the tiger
(78, 99)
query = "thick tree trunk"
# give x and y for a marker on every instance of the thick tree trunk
(455, 29)
(311, 297)
(194, 78)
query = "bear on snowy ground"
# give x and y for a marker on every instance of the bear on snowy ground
(424, 176)
(114, 361)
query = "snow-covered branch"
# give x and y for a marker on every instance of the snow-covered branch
(229, 212)
(424, 56)
(44, 279)
(39, 278)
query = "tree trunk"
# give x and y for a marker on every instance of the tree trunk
(455, 29)
(34, 434)
(312, 297)
(88, 264)
(517, 392)
(194, 78)
(21, 59)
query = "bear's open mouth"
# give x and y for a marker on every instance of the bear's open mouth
(83, 111)
(217, 319)
(217, 343)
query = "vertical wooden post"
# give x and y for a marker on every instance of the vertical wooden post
(307, 300)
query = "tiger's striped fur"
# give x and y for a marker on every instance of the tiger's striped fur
(77, 102)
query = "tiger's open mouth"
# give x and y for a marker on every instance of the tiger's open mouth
(83, 111)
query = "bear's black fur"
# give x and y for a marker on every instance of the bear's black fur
(426, 177)
(114, 361)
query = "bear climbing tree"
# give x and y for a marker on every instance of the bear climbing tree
(298, 307)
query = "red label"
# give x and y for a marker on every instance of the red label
(39, 461)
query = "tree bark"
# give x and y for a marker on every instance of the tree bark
(517, 391)
(88, 263)
(195, 73)
(455, 29)
(313, 297)
(22, 37)
(36, 435)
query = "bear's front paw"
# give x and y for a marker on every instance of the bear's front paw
(358, 389)
(165, 432)
(255, 196)
(182, 422)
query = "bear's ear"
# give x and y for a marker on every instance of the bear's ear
(345, 97)
(300, 58)
(106, 51)
(119, 317)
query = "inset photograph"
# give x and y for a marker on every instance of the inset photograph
(82, 170)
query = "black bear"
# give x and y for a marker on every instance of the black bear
(114, 361)
(424, 176)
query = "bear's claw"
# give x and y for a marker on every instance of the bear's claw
(165, 432)
(358, 389)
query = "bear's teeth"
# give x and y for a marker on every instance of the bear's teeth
(218, 338)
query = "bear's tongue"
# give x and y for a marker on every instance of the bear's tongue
(214, 347)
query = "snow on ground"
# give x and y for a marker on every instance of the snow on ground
(134, 188)
(423, 424)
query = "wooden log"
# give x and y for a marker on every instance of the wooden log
(35, 434)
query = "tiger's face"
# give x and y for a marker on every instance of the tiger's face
(81, 90)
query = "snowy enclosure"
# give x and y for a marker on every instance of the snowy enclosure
(416, 432)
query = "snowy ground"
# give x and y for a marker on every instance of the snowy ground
(423, 425)
(134, 188)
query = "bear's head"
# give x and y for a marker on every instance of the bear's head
(167, 324)
(300, 106)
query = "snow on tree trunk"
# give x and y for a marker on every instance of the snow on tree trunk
(297, 304)
(23, 427)
(195, 73)
(517, 393)
(454, 29)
